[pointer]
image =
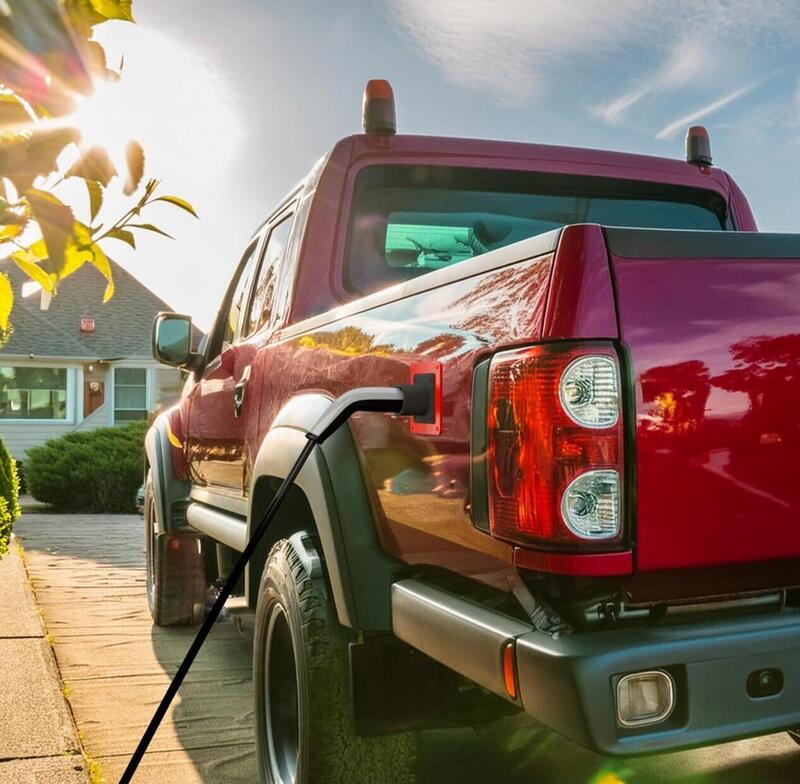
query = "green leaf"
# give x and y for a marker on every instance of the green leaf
(56, 223)
(95, 198)
(74, 258)
(13, 113)
(113, 9)
(27, 155)
(178, 202)
(102, 264)
(7, 232)
(38, 249)
(6, 301)
(29, 264)
(95, 164)
(124, 235)
(134, 157)
(149, 227)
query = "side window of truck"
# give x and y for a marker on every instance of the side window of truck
(238, 300)
(264, 291)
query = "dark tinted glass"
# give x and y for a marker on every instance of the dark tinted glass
(408, 220)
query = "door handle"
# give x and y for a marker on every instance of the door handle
(238, 392)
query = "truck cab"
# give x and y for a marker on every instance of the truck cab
(596, 525)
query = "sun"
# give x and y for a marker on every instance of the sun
(104, 119)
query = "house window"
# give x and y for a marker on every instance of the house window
(130, 394)
(33, 393)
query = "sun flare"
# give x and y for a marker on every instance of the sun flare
(104, 119)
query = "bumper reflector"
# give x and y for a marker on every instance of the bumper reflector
(645, 698)
(510, 670)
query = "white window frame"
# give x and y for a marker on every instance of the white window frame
(70, 403)
(149, 380)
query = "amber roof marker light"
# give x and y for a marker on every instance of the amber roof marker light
(378, 112)
(698, 146)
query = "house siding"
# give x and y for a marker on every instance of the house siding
(20, 435)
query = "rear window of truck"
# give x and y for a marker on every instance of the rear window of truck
(408, 220)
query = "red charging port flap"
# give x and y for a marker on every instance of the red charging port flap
(430, 372)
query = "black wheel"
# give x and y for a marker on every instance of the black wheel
(176, 581)
(304, 724)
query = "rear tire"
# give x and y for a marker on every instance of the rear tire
(304, 722)
(176, 580)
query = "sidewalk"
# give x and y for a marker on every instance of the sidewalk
(38, 738)
(89, 580)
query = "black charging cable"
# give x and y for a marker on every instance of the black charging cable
(407, 400)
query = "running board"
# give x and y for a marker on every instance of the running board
(464, 636)
(221, 526)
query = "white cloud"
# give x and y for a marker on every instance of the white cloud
(669, 131)
(689, 61)
(514, 48)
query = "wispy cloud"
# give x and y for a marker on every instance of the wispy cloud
(515, 48)
(669, 131)
(688, 61)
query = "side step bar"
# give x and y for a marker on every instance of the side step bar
(223, 527)
(461, 635)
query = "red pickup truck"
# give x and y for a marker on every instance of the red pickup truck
(599, 524)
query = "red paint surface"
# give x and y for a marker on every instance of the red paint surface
(589, 565)
(715, 348)
(580, 303)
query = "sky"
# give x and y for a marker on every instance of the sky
(234, 101)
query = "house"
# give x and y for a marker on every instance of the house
(80, 364)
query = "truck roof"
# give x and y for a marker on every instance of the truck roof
(547, 157)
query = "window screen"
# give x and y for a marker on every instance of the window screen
(408, 220)
(130, 394)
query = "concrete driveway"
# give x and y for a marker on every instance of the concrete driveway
(88, 576)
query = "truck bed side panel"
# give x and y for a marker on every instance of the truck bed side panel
(712, 325)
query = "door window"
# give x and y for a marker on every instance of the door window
(239, 298)
(264, 293)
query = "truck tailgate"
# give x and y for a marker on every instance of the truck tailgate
(711, 324)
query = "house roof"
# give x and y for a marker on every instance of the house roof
(123, 325)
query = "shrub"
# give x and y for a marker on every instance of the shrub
(9, 496)
(23, 488)
(93, 471)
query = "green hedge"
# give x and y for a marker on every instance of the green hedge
(93, 471)
(9, 496)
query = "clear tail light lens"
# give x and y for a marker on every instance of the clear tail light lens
(590, 505)
(589, 391)
(555, 446)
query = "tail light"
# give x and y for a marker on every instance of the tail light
(555, 446)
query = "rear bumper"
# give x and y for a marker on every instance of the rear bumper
(569, 683)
